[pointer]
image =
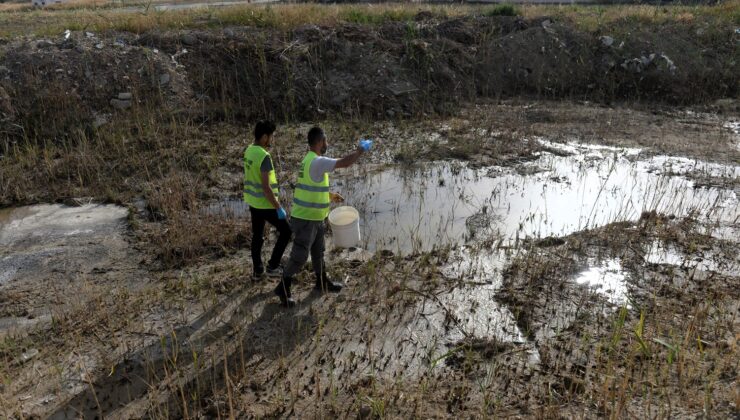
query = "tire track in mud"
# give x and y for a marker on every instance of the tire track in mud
(134, 376)
(275, 332)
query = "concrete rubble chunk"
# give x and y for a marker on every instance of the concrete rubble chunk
(189, 39)
(401, 87)
(607, 41)
(120, 104)
(669, 63)
(125, 96)
(28, 355)
(100, 120)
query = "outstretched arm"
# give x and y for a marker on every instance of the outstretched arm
(352, 157)
(349, 159)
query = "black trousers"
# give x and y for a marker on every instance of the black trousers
(259, 217)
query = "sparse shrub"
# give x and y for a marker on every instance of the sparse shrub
(502, 10)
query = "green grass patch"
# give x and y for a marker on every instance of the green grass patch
(501, 10)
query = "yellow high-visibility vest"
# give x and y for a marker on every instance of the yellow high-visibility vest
(311, 199)
(253, 194)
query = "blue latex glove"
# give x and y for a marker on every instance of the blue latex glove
(366, 144)
(282, 215)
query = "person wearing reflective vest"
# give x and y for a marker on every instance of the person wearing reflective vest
(261, 193)
(311, 205)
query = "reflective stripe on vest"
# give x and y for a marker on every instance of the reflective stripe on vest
(253, 193)
(311, 199)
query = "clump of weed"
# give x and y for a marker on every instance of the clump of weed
(501, 10)
(190, 231)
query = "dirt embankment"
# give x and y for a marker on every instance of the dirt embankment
(50, 88)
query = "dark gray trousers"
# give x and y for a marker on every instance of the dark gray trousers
(308, 239)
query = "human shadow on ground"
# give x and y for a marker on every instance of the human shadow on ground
(275, 332)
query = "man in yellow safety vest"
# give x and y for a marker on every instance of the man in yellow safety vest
(261, 193)
(311, 202)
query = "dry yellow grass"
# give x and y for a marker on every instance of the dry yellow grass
(70, 4)
(97, 15)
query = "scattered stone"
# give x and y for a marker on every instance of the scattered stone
(28, 355)
(189, 39)
(402, 87)
(646, 61)
(100, 45)
(420, 44)
(100, 120)
(125, 96)
(608, 62)
(120, 104)
(607, 41)
(43, 44)
(164, 79)
(546, 23)
(89, 34)
(68, 44)
(669, 63)
(365, 412)
(229, 33)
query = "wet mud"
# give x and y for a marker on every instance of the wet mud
(513, 276)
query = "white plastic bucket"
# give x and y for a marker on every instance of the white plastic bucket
(345, 226)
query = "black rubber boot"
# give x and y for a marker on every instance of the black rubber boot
(283, 292)
(327, 285)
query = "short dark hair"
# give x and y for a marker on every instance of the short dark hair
(315, 135)
(264, 127)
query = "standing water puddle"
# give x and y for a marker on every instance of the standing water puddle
(447, 204)
(575, 187)
(666, 254)
(608, 279)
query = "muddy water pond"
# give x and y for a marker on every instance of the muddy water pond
(444, 204)
(565, 189)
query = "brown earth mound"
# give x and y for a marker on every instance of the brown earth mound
(50, 89)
